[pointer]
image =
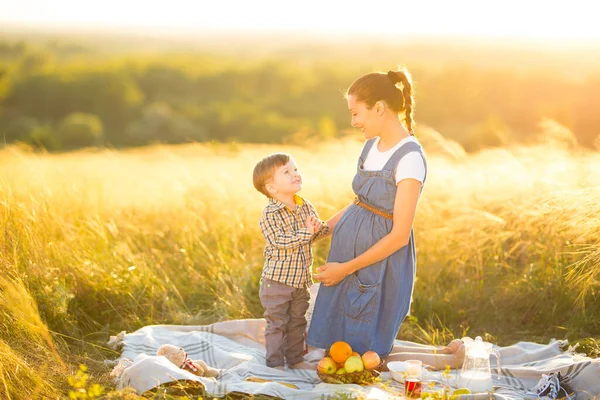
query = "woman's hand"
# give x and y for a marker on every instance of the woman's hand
(332, 273)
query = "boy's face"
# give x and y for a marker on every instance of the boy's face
(286, 180)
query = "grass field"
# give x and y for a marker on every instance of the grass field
(99, 241)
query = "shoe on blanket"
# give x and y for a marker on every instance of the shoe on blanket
(554, 386)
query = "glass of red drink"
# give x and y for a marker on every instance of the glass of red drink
(412, 387)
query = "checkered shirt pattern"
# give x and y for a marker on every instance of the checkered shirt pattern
(288, 252)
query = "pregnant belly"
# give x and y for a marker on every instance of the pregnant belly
(357, 231)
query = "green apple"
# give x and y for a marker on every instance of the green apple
(353, 364)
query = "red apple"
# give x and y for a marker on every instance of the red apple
(371, 359)
(327, 366)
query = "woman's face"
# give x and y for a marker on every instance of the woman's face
(363, 118)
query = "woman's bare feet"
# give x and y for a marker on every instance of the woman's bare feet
(453, 346)
(303, 365)
(460, 355)
(456, 348)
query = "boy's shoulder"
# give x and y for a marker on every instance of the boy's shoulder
(272, 207)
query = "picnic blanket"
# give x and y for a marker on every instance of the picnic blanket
(237, 348)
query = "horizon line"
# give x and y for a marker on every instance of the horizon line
(178, 32)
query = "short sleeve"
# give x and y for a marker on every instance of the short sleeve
(411, 166)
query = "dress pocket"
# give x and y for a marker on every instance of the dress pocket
(360, 300)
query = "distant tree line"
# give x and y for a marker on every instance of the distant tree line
(60, 103)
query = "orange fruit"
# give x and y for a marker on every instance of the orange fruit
(340, 351)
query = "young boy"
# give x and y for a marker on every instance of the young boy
(289, 224)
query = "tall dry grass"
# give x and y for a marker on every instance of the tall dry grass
(96, 242)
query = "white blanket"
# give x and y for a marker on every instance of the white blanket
(237, 348)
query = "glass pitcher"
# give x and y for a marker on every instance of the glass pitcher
(476, 374)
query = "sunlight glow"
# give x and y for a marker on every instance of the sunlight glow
(508, 18)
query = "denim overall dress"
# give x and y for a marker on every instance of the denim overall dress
(367, 307)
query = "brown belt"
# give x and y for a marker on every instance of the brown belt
(373, 209)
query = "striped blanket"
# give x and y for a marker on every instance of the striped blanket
(237, 348)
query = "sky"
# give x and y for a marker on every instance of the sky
(555, 20)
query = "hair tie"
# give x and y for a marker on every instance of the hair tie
(393, 75)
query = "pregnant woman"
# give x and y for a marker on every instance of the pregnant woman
(367, 282)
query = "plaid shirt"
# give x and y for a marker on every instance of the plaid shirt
(288, 252)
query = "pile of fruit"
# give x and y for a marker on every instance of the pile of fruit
(342, 365)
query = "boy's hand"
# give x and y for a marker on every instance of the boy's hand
(309, 225)
(319, 224)
(312, 224)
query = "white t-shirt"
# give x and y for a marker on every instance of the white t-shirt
(409, 166)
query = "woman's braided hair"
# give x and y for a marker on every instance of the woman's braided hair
(395, 88)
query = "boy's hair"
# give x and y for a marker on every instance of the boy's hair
(265, 170)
